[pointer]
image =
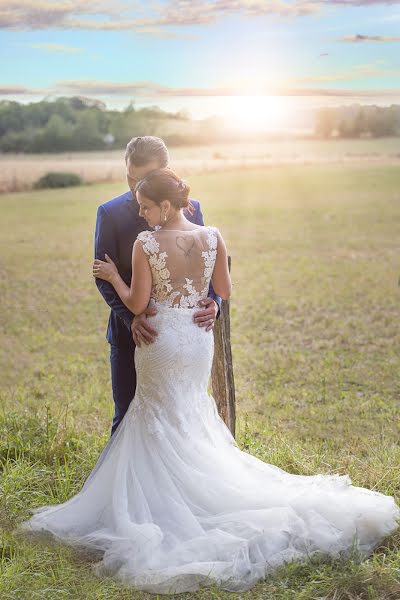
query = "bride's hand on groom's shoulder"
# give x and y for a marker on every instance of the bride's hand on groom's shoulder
(142, 331)
(105, 269)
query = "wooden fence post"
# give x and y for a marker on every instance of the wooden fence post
(222, 381)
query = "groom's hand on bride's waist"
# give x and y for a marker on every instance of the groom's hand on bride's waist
(142, 331)
(206, 317)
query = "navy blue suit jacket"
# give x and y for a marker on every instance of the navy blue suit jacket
(117, 227)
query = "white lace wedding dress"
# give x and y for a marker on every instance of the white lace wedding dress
(173, 502)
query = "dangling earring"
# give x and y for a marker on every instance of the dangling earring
(165, 217)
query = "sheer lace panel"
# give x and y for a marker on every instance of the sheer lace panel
(182, 263)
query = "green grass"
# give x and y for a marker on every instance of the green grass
(315, 265)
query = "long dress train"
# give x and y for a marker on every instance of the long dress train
(173, 503)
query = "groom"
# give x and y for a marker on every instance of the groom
(117, 226)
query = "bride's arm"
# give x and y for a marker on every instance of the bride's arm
(137, 296)
(221, 279)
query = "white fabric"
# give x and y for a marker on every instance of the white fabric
(174, 504)
(181, 263)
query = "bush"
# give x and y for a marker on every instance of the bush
(57, 180)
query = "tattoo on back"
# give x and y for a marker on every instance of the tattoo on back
(185, 244)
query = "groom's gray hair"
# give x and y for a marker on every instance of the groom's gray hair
(142, 150)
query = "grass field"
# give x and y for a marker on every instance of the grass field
(315, 334)
(19, 172)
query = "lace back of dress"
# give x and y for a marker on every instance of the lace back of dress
(182, 263)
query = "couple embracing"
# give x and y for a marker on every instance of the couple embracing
(172, 503)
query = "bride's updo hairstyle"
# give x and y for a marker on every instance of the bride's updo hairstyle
(164, 184)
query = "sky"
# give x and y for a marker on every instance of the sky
(203, 56)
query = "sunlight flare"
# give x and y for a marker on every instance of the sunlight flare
(255, 113)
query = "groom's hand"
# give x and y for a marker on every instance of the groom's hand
(142, 331)
(206, 317)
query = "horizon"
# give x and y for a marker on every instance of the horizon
(299, 120)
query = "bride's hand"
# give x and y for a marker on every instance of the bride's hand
(105, 269)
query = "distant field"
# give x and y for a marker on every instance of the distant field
(315, 332)
(19, 172)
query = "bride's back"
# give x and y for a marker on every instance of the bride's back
(182, 263)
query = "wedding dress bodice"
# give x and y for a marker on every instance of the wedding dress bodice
(181, 263)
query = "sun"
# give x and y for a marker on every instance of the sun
(257, 113)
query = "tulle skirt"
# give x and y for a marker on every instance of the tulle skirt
(173, 503)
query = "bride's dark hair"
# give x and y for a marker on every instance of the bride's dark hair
(164, 184)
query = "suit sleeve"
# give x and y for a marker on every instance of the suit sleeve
(211, 293)
(105, 241)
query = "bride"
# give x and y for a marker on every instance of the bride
(173, 503)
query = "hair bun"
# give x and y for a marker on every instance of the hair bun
(164, 184)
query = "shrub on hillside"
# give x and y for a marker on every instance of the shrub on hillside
(58, 180)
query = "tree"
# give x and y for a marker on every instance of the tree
(55, 137)
(87, 132)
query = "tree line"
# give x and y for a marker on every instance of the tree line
(358, 121)
(76, 123)
(82, 124)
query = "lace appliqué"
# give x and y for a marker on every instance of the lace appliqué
(162, 287)
(193, 296)
(210, 255)
(163, 291)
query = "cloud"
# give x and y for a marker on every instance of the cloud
(360, 2)
(145, 89)
(339, 93)
(123, 15)
(19, 90)
(208, 11)
(101, 15)
(369, 38)
(356, 72)
(148, 89)
(155, 91)
(50, 14)
(55, 48)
